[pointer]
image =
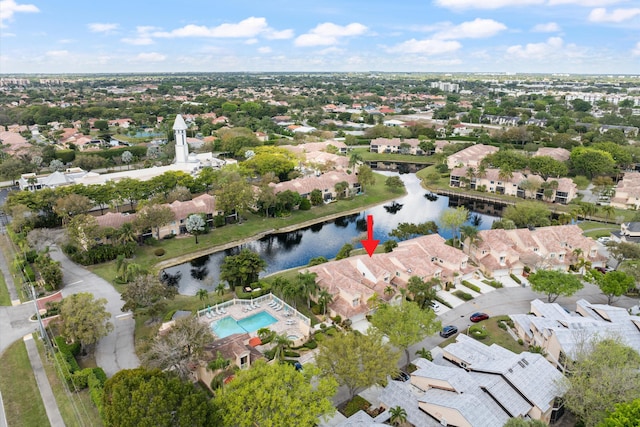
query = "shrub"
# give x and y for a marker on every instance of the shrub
(443, 302)
(291, 353)
(354, 405)
(463, 295)
(159, 252)
(305, 205)
(337, 319)
(169, 236)
(477, 332)
(167, 317)
(515, 278)
(218, 221)
(471, 286)
(95, 382)
(493, 283)
(520, 341)
(331, 332)
(73, 348)
(311, 344)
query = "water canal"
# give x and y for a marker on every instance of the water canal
(295, 249)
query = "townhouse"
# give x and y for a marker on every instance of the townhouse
(470, 156)
(629, 232)
(627, 192)
(558, 190)
(563, 334)
(556, 153)
(354, 280)
(502, 252)
(325, 182)
(396, 145)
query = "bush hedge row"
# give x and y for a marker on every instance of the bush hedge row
(471, 286)
(463, 295)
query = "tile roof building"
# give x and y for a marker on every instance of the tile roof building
(352, 281)
(557, 153)
(627, 192)
(393, 145)
(470, 156)
(325, 182)
(502, 252)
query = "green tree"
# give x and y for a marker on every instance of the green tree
(591, 162)
(605, 372)
(195, 225)
(316, 197)
(395, 184)
(547, 166)
(398, 415)
(554, 283)
(453, 219)
(422, 292)
(624, 415)
(345, 251)
(528, 214)
(84, 319)
(406, 230)
(621, 251)
(356, 360)
(202, 295)
(309, 286)
(242, 269)
(613, 284)
(324, 299)
(83, 231)
(520, 422)
(276, 395)
(405, 324)
(147, 292)
(141, 397)
(73, 204)
(153, 217)
(365, 177)
(470, 236)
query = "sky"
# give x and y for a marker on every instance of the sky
(502, 36)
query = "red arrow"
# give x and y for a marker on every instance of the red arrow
(370, 245)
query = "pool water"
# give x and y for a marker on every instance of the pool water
(229, 326)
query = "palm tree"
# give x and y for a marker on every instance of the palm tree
(374, 301)
(398, 415)
(127, 233)
(469, 232)
(220, 289)
(354, 159)
(324, 299)
(506, 173)
(389, 291)
(424, 353)
(281, 344)
(608, 211)
(308, 286)
(203, 295)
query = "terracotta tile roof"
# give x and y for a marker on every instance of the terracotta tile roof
(557, 153)
(114, 220)
(307, 184)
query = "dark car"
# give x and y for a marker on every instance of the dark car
(402, 376)
(448, 330)
(601, 269)
(478, 317)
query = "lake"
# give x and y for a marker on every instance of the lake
(295, 249)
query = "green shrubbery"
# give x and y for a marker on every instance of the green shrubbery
(98, 254)
(463, 295)
(493, 283)
(471, 286)
(515, 278)
(478, 332)
(354, 405)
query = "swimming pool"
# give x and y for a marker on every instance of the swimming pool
(229, 326)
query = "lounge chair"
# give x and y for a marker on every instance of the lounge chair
(290, 321)
(255, 304)
(223, 310)
(278, 308)
(273, 303)
(208, 314)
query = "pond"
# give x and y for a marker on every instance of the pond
(295, 249)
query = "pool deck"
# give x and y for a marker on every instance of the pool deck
(288, 320)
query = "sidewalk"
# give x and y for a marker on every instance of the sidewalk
(48, 399)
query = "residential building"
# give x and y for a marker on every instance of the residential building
(562, 334)
(558, 190)
(396, 145)
(234, 348)
(502, 252)
(627, 192)
(354, 280)
(325, 182)
(556, 153)
(33, 182)
(470, 156)
(629, 232)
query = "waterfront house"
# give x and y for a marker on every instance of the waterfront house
(325, 182)
(502, 252)
(629, 233)
(396, 145)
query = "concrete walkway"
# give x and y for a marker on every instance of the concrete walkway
(48, 399)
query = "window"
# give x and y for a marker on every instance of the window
(502, 259)
(552, 255)
(535, 249)
(355, 302)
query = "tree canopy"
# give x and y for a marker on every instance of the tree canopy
(242, 269)
(554, 283)
(152, 398)
(270, 395)
(84, 319)
(406, 230)
(528, 213)
(405, 324)
(356, 360)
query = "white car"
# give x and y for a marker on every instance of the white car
(435, 306)
(604, 240)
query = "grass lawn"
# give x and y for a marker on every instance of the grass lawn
(22, 401)
(85, 412)
(368, 156)
(5, 299)
(495, 335)
(7, 249)
(597, 229)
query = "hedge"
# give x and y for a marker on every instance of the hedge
(95, 382)
(493, 283)
(356, 404)
(471, 286)
(477, 332)
(463, 295)
(515, 278)
(443, 302)
(98, 254)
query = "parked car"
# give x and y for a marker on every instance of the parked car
(601, 270)
(604, 240)
(402, 376)
(478, 317)
(435, 306)
(448, 330)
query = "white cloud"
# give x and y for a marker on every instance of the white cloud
(264, 49)
(549, 27)
(536, 50)
(585, 3)
(247, 28)
(57, 53)
(476, 29)
(278, 35)
(485, 4)
(426, 47)
(9, 7)
(330, 51)
(97, 27)
(636, 50)
(251, 41)
(139, 41)
(617, 15)
(328, 34)
(151, 56)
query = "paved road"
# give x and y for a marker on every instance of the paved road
(116, 351)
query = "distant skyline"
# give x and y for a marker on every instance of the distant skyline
(523, 36)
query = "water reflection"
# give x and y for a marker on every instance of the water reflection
(288, 250)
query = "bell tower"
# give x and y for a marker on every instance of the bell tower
(180, 131)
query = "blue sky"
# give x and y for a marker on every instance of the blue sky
(542, 36)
